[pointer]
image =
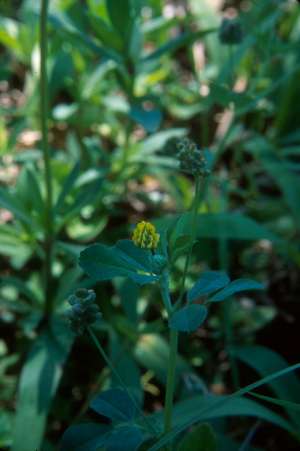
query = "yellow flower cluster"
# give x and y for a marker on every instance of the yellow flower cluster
(145, 235)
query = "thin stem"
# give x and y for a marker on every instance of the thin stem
(165, 293)
(48, 244)
(173, 333)
(118, 377)
(231, 63)
(193, 235)
(170, 381)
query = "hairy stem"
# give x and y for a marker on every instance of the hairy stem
(48, 242)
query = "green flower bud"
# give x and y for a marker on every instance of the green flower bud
(83, 311)
(230, 32)
(192, 159)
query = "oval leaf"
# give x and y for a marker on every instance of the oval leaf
(103, 262)
(236, 287)
(208, 282)
(114, 404)
(188, 319)
(85, 437)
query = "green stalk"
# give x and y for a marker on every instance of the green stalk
(48, 243)
(171, 376)
(165, 292)
(170, 381)
(118, 377)
(193, 236)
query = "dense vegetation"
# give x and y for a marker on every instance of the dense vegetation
(149, 225)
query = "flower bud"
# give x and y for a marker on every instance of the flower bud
(192, 159)
(83, 311)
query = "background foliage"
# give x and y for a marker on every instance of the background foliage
(126, 80)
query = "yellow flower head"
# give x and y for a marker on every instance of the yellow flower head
(145, 235)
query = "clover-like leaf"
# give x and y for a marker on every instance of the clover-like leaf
(114, 404)
(236, 286)
(188, 318)
(208, 283)
(103, 262)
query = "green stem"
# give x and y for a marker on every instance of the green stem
(173, 333)
(231, 63)
(48, 243)
(170, 381)
(118, 377)
(193, 236)
(165, 293)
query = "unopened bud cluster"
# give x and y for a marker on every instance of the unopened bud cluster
(84, 311)
(192, 159)
(230, 32)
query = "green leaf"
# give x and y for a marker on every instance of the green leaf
(158, 140)
(121, 17)
(21, 286)
(114, 404)
(38, 383)
(62, 70)
(85, 437)
(266, 361)
(93, 437)
(185, 39)
(129, 293)
(287, 180)
(106, 34)
(102, 262)
(278, 402)
(269, 378)
(125, 438)
(200, 438)
(180, 246)
(208, 282)
(124, 362)
(9, 35)
(15, 244)
(67, 186)
(220, 406)
(149, 119)
(11, 203)
(236, 286)
(28, 193)
(210, 408)
(188, 318)
(93, 80)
